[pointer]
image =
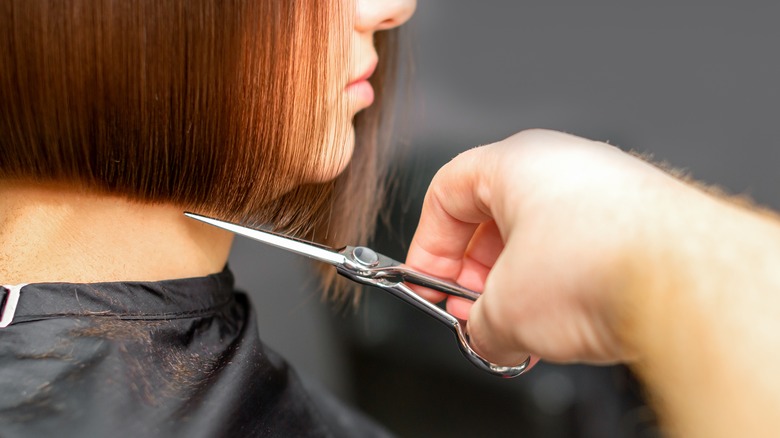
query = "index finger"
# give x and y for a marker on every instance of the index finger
(454, 207)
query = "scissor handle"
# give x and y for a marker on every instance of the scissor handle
(375, 266)
(405, 293)
(484, 364)
(421, 279)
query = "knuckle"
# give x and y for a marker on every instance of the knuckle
(533, 135)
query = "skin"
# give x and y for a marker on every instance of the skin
(371, 16)
(65, 234)
(587, 254)
(58, 232)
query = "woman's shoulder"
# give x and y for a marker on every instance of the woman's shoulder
(204, 373)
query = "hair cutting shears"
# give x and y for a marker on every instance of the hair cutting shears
(366, 266)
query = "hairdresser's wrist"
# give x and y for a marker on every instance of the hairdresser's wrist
(700, 311)
(686, 256)
(656, 266)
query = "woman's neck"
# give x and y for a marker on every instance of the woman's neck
(51, 233)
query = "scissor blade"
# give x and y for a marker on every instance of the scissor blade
(298, 246)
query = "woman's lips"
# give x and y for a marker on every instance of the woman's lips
(366, 74)
(363, 93)
(361, 89)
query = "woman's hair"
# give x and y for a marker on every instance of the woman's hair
(219, 106)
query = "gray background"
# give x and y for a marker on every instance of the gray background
(694, 83)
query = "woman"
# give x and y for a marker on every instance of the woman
(117, 116)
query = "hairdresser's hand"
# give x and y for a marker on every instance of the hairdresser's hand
(546, 224)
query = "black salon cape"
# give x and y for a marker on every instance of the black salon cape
(171, 358)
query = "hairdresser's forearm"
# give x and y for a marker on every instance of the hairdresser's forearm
(705, 317)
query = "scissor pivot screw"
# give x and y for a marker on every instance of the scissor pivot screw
(365, 256)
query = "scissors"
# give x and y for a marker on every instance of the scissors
(366, 266)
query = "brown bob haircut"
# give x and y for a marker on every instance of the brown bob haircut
(213, 105)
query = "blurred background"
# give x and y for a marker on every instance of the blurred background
(693, 83)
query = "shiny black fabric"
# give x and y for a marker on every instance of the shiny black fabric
(171, 358)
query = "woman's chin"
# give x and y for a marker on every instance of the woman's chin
(334, 161)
